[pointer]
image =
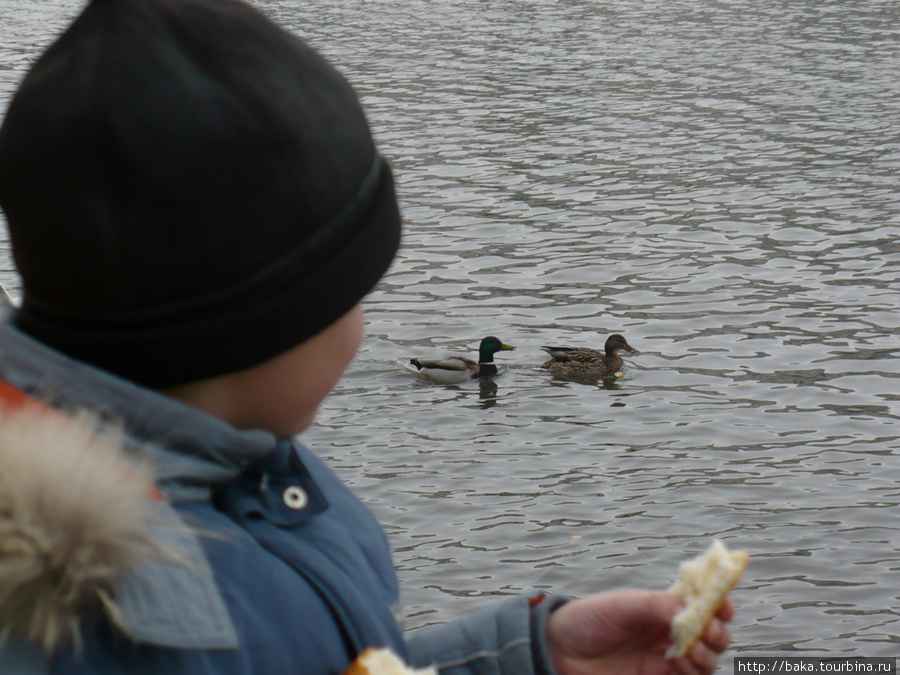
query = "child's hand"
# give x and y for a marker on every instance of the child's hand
(627, 633)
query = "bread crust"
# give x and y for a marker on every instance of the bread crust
(703, 586)
(382, 661)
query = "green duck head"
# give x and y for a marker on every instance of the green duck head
(616, 343)
(490, 346)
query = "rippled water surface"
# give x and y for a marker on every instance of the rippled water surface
(716, 180)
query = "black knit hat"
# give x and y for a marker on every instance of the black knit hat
(190, 191)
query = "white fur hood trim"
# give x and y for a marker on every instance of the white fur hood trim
(75, 516)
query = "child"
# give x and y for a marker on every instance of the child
(196, 209)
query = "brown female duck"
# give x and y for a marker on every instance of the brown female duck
(583, 361)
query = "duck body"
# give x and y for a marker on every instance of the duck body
(584, 361)
(456, 369)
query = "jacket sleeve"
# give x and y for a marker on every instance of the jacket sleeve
(22, 659)
(507, 638)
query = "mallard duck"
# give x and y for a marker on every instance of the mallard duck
(583, 361)
(454, 369)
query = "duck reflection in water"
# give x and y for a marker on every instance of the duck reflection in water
(487, 392)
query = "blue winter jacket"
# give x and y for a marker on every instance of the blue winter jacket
(271, 565)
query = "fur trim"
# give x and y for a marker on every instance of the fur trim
(74, 517)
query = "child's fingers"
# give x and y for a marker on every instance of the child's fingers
(701, 659)
(716, 636)
(726, 611)
(684, 666)
(703, 656)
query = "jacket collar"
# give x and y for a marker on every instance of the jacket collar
(190, 449)
(173, 605)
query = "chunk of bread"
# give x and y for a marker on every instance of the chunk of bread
(382, 661)
(703, 584)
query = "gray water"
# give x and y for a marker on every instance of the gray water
(716, 180)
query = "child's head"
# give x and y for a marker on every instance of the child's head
(283, 393)
(190, 191)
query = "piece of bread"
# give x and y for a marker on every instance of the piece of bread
(382, 661)
(703, 584)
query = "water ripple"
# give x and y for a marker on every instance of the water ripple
(716, 180)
